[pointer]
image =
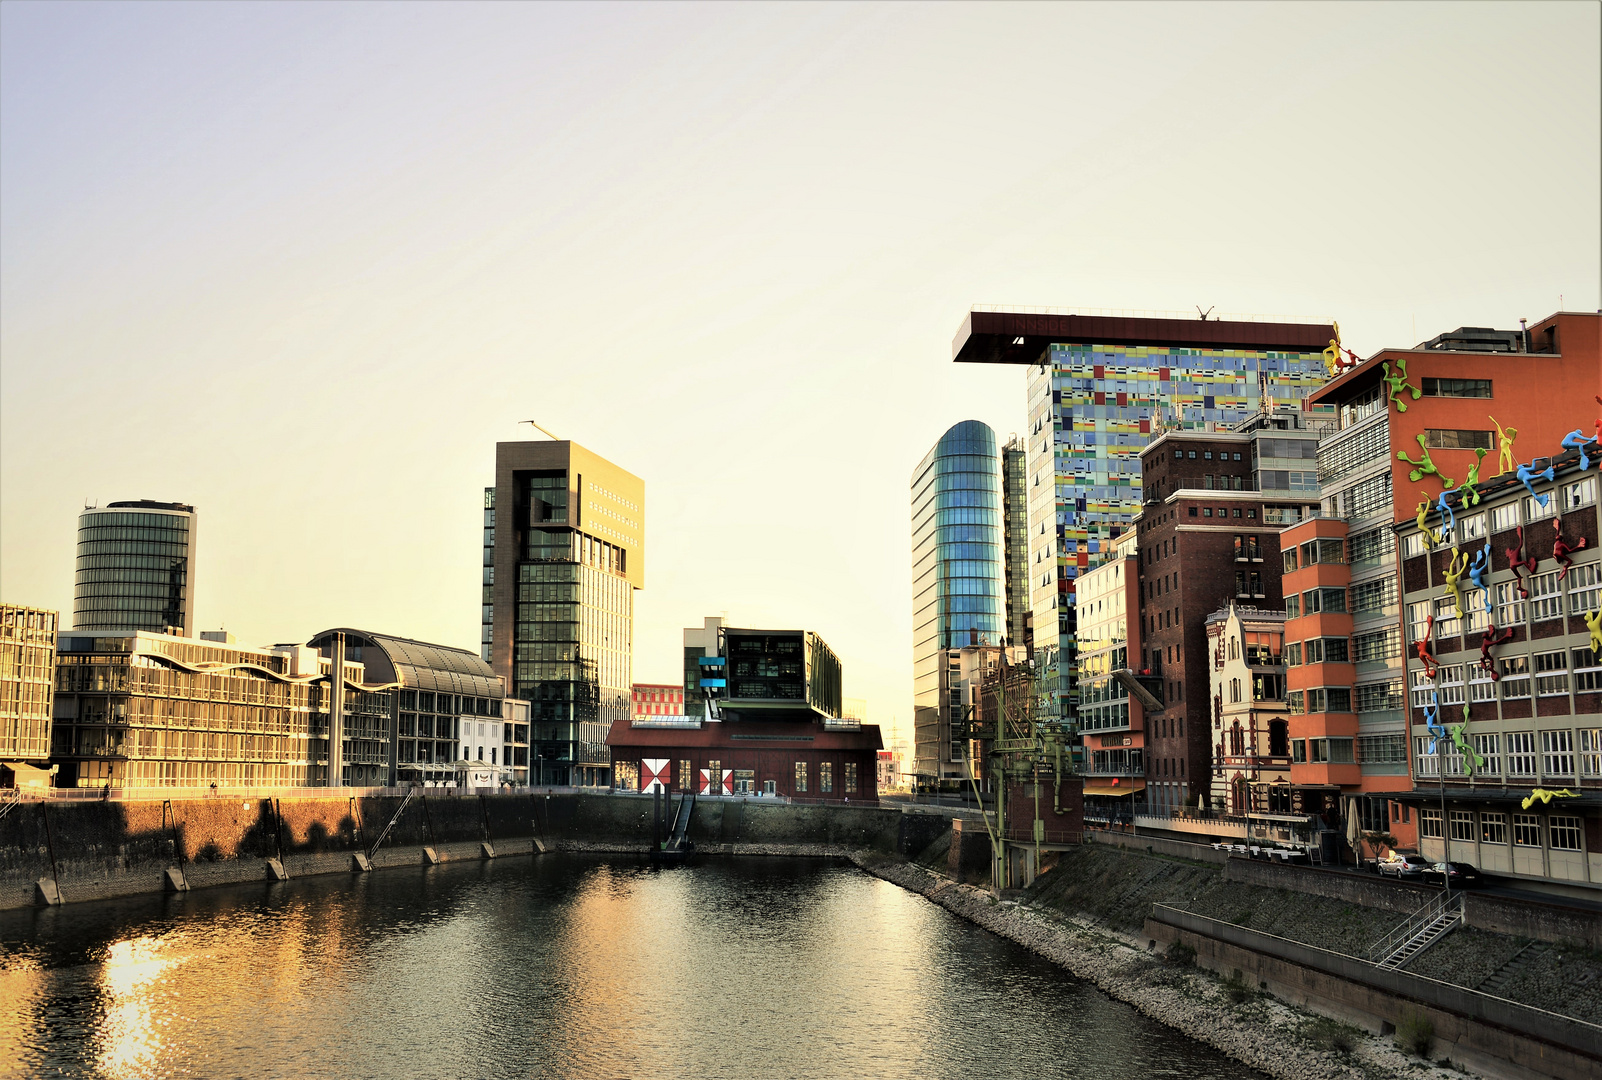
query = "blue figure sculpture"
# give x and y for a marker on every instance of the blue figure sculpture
(1448, 518)
(1432, 720)
(1526, 473)
(1578, 439)
(1477, 571)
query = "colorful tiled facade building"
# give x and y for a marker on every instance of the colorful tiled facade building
(1098, 388)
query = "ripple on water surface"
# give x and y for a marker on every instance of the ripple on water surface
(557, 967)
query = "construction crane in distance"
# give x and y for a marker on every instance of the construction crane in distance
(538, 428)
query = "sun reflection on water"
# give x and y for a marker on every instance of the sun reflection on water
(129, 1034)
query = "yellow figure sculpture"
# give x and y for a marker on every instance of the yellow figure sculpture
(1453, 574)
(1546, 796)
(1593, 623)
(1332, 352)
(1431, 537)
(1504, 443)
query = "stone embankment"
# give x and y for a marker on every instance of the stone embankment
(1250, 1027)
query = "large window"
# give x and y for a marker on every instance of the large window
(1375, 597)
(1323, 551)
(1493, 828)
(1323, 699)
(1369, 445)
(1455, 439)
(1462, 825)
(1383, 644)
(1587, 671)
(1526, 830)
(1564, 833)
(1520, 753)
(1509, 606)
(850, 776)
(1515, 681)
(1557, 755)
(800, 777)
(1326, 651)
(1489, 748)
(825, 777)
(1551, 674)
(1368, 497)
(1546, 597)
(1379, 697)
(1585, 585)
(1323, 600)
(1375, 545)
(1504, 517)
(1591, 751)
(1475, 388)
(1429, 823)
(1382, 749)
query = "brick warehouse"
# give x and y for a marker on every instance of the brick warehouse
(1208, 535)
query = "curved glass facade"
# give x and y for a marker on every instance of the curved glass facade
(133, 571)
(957, 583)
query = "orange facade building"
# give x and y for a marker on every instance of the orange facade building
(1447, 415)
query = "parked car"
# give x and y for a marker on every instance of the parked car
(1403, 866)
(1460, 874)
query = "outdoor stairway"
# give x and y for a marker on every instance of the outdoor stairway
(678, 842)
(1515, 964)
(9, 801)
(1427, 926)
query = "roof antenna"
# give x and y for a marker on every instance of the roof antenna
(1206, 313)
(538, 428)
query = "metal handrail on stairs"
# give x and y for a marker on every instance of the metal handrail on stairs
(1416, 925)
(399, 810)
(12, 800)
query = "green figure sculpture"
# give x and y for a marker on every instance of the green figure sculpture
(1398, 382)
(1424, 466)
(1470, 488)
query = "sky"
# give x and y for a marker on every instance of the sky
(303, 265)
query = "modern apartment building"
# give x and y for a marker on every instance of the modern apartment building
(1208, 537)
(27, 682)
(564, 534)
(139, 709)
(1503, 603)
(448, 707)
(1462, 407)
(135, 569)
(1098, 387)
(958, 586)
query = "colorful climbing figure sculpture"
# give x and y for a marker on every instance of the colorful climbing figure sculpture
(1423, 648)
(1516, 560)
(1593, 623)
(1473, 761)
(1431, 537)
(1477, 571)
(1578, 439)
(1492, 638)
(1469, 493)
(1424, 466)
(1526, 473)
(1395, 384)
(1561, 550)
(1504, 442)
(1454, 578)
(1546, 796)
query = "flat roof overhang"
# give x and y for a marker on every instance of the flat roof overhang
(1007, 337)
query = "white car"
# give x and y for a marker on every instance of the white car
(1402, 866)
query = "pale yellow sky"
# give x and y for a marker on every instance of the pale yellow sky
(303, 265)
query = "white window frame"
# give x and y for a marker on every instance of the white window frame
(1429, 823)
(1546, 597)
(1461, 824)
(1557, 754)
(1585, 587)
(1489, 748)
(1472, 526)
(1580, 493)
(1526, 830)
(1493, 829)
(1565, 833)
(1591, 752)
(1520, 753)
(1509, 605)
(1504, 517)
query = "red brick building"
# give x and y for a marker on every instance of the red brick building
(1208, 536)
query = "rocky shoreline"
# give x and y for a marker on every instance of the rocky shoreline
(1253, 1028)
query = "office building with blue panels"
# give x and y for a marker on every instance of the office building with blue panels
(958, 587)
(1099, 387)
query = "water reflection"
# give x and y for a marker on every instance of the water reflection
(558, 967)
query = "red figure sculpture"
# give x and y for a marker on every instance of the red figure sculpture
(1491, 638)
(1516, 558)
(1423, 647)
(1560, 550)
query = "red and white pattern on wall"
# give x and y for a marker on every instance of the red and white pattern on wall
(728, 781)
(723, 784)
(654, 774)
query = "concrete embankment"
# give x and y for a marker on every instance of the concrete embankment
(78, 851)
(1108, 916)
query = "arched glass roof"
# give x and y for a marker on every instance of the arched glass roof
(418, 664)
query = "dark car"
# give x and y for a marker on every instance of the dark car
(1460, 874)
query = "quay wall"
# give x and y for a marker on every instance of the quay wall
(91, 850)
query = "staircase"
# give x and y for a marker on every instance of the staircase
(1426, 926)
(1515, 964)
(678, 842)
(9, 801)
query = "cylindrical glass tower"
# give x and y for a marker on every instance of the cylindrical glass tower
(135, 568)
(958, 595)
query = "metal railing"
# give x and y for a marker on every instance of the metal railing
(1416, 923)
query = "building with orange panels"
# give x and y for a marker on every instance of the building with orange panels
(1447, 415)
(658, 699)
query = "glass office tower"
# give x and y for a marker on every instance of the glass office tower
(563, 554)
(957, 582)
(136, 568)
